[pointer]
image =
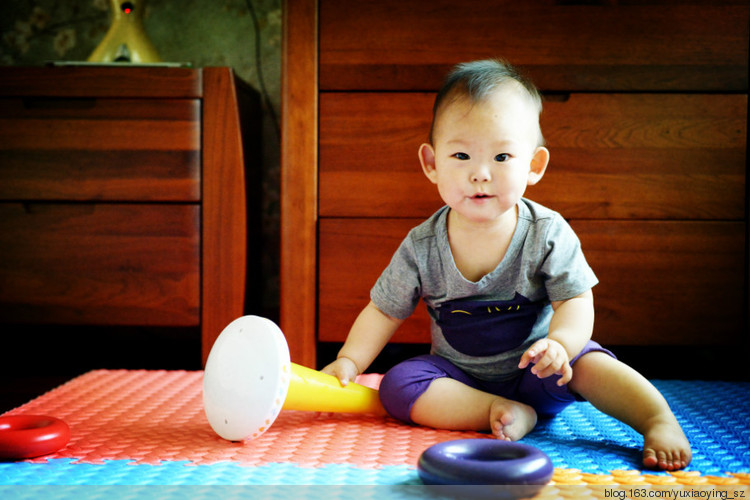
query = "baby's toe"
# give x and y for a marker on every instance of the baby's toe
(681, 460)
(650, 459)
(497, 430)
(675, 461)
(660, 459)
(664, 460)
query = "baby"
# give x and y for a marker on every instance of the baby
(505, 283)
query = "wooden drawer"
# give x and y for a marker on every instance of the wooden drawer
(564, 45)
(352, 254)
(667, 282)
(619, 156)
(110, 264)
(646, 120)
(661, 282)
(100, 149)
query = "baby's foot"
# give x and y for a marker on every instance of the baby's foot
(510, 420)
(665, 446)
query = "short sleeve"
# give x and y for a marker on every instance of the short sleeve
(565, 270)
(398, 289)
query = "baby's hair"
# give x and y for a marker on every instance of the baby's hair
(477, 80)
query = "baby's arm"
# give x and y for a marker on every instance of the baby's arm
(570, 329)
(370, 332)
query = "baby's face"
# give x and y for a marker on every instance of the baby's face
(484, 153)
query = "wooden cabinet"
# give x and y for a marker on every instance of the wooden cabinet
(123, 196)
(645, 116)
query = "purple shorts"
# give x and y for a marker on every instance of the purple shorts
(404, 383)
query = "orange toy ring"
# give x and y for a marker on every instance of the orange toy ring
(29, 436)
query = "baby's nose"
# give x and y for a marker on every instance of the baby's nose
(480, 174)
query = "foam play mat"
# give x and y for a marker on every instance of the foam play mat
(148, 428)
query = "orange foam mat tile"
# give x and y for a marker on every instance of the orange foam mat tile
(574, 477)
(153, 416)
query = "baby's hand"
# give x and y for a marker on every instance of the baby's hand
(343, 369)
(549, 357)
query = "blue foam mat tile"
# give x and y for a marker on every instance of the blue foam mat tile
(273, 492)
(123, 472)
(714, 415)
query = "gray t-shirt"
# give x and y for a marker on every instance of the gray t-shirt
(484, 327)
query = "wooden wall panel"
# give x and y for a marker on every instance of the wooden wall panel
(643, 156)
(100, 149)
(110, 264)
(661, 282)
(610, 46)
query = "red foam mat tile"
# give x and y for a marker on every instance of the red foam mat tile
(154, 416)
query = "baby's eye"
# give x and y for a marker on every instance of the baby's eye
(502, 157)
(461, 156)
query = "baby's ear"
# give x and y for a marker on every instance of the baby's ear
(427, 159)
(539, 163)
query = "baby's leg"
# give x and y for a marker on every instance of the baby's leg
(430, 390)
(619, 391)
(450, 404)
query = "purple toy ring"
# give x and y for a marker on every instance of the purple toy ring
(484, 462)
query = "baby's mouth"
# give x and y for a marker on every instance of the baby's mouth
(480, 196)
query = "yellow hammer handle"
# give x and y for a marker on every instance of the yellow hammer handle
(311, 390)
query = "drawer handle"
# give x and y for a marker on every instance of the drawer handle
(556, 96)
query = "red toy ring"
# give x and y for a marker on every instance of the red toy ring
(28, 436)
